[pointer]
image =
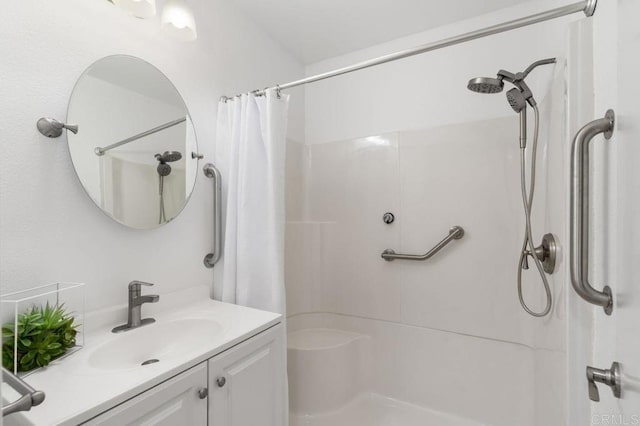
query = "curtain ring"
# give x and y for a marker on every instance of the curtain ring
(278, 92)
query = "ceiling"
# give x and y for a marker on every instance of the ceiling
(314, 30)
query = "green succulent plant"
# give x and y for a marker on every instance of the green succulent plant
(44, 334)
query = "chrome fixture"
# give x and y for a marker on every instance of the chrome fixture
(610, 377)
(546, 253)
(388, 218)
(197, 156)
(518, 98)
(29, 397)
(164, 170)
(100, 151)
(212, 172)
(135, 307)
(587, 7)
(52, 128)
(455, 233)
(579, 253)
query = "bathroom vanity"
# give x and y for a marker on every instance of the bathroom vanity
(202, 363)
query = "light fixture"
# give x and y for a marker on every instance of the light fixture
(138, 8)
(177, 19)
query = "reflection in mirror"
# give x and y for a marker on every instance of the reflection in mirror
(133, 152)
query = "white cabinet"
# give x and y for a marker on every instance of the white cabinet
(246, 382)
(242, 386)
(178, 401)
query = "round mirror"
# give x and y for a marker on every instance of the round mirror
(135, 147)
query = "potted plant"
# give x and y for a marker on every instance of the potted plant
(43, 334)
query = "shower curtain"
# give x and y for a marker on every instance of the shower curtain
(250, 153)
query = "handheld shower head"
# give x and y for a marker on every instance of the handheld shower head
(485, 85)
(516, 100)
(163, 169)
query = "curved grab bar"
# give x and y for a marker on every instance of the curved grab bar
(579, 256)
(29, 397)
(455, 233)
(212, 172)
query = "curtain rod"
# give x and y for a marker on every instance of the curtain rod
(588, 7)
(100, 151)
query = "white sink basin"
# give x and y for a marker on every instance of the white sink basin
(162, 341)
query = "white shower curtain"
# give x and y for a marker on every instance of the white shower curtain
(250, 153)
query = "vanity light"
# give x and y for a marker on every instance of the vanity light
(177, 19)
(138, 8)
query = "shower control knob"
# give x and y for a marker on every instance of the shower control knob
(388, 218)
(221, 381)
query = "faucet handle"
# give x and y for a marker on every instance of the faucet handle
(610, 377)
(594, 395)
(135, 285)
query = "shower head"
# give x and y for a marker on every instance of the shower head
(516, 100)
(485, 85)
(495, 85)
(163, 169)
(169, 156)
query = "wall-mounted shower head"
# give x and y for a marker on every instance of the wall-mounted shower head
(485, 85)
(516, 100)
(169, 156)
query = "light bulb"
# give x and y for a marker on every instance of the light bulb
(177, 19)
(138, 8)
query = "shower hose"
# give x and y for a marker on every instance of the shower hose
(163, 217)
(527, 201)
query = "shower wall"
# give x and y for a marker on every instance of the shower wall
(408, 138)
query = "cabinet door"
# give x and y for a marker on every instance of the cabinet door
(174, 402)
(246, 382)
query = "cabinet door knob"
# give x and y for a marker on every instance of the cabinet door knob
(221, 381)
(203, 393)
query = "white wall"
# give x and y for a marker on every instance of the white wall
(616, 209)
(50, 230)
(408, 137)
(430, 89)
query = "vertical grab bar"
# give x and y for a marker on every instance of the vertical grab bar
(29, 397)
(579, 256)
(212, 172)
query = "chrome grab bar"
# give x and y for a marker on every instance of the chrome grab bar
(212, 172)
(455, 233)
(579, 256)
(29, 397)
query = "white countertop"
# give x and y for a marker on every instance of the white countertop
(76, 390)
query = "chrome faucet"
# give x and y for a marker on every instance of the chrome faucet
(136, 299)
